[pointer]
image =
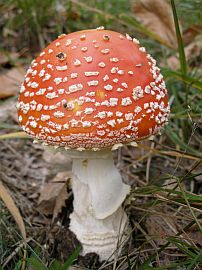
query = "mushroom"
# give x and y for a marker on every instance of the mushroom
(90, 92)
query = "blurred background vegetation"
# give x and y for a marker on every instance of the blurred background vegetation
(174, 181)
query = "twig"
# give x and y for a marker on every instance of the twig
(149, 163)
(17, 249)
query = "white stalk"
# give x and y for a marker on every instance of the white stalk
(98, 220)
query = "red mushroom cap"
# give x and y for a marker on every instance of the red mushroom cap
(93, 89)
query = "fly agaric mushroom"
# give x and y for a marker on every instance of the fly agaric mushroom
(90, 92)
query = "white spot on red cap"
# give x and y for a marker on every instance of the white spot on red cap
(129, 116)
(88, 59)
(58, 114)
(100, 28)
(101, 64)
(115, 80)
(112, 123)
(45, 117)
(128, 37)
(114, 70)
(20, 118)
(101, 115)
(114, 59)
(113, 101)
(68, 42)
(77, 62)
(57, 80)
(108, 87)
(126, 101)
(105, 51)
(88, 110)
(39, 107)
(136, 41)
(138, 93)
(142, 49)
(120, 72)
(75, 87)
(34, 85)
(84, 49)
(33, 123)
(74, 75)
(47, 77)
(22, 88)
(105, 78)
(42, 72)
(42, 62)
(50, 51)
(51, 95)
(91, 73)
(61, 68)
(93, 83)
(124, 85)
(82, 37)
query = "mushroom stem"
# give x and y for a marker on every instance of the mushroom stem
(98, 220)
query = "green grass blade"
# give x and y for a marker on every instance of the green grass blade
(71, 259)
(36, 264)
(182, 57)
(55, 265)
(196, 260)
(190, 196)
(186, 79)
(152, 257)
(18, 265)
(178, 141)
(183, 246)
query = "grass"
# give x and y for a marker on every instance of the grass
(171, 195)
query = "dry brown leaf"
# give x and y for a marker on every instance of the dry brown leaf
(7, 199)
(156, 15)
(194, 234)
(10, 82)
(6, 57)
(53, 195)
(192, 52)
(191, 33)
(8, 110)
(14, 135)
(160, 228)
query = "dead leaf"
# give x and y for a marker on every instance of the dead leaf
(190, 33)
(10, 82)
(58, 160)
(160, 227)
(156, 15)
(194, 234)
(6, 57)
(7, 199)
(14, 135)
(8, 110)
(53, 195)
(192, 52)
